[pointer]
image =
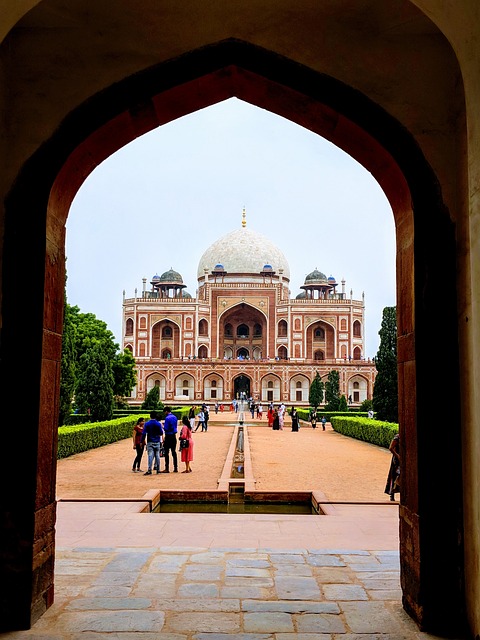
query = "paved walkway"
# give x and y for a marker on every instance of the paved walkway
(128, 575)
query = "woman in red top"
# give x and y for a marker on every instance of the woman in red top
(186, 454)
(270, 416)
(137, 443)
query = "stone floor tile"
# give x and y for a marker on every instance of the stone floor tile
(158, 588)
(344, 592)
(303, 636)
(243, 592)
(248, 562)
(335, 575)
(293, 570)
(267, 622)
(107, 591)
(198, 590)
(113, 604)
(205, 623)
(112, 621)
(200, 604)
(324, 560)
(248, 582)
(238, 636)
(247, 572)
(287, 558)
(290, 606)
(297, 588)
(370, 617)
(122, 579)
(128, 562)
(380, 585)
(203, 572)
(319, 623)
(385, 594)
(208, 557)
(381, 574)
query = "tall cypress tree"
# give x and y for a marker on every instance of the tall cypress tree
(385, 390)
(315, 395)
(332, 391)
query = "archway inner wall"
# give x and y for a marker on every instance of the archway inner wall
(372, 149)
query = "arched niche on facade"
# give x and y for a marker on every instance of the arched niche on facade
(184, 387)
(109, 120)
(213, 387)
(270, 388)
(299, 388)
(358, 388)
(156, 380)
(165, 338)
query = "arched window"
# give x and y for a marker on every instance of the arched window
(129, 347)
(257, 330)
(319, 333)
(228, 330)
(269, 384)
(203, 328)
(319, 355)
(243, 331)
(141, 350)
(203, 351)
(166, 354)
(188, 324)
(357, 353)
(282, 353)
(214, 383)
(297, 351)
(129, 327)
(298, 385)
(298, 324)
(143, 322)
(356, 385)
(282, 329)
(343, 324)
(167, 332)
(185, 383)
(357, 329)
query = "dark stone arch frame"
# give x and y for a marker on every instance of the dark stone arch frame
(433, 590)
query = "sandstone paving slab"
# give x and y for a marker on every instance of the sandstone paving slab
(319, 623)
(324, 560)
(380, 585)
(107, 592)
(238, 636)
(208, 557)
(385, 594)
(128, 562)
(287, 558)
(289, 606)
(248, 562)
(108, 603)
(335, 575)
(116, 578)
(231, 605)
(145, 586)
(244, 592)
(248, 582)
(198, 590)
(203, 572)
(293, 570)
(247, 572)
(110, 621)
(297, 588)
(371, 617)
(205, 622)
(344, 592)
(304, 636)
(268, 621)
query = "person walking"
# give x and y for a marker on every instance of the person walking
(206, 414)
(270, 414)
(137, 443)
(324, 422)
(313, 418)
(294, 416)
(187, 452)
(393, 479)
(201, 420)
(191, 416)
(170, 426)
(276, 420)
(259, 410)
(153, 433)
(281, 416)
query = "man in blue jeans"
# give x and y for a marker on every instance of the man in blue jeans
(170, 426)
(153, 432)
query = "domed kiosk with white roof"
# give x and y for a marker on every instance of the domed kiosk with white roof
(243, 333)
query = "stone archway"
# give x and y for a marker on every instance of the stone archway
(326, 106)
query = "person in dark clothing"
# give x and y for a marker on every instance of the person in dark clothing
(137, 443)
(170, 426)
(153, 432)
(295, 421)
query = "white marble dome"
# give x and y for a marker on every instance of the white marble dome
(243, 251)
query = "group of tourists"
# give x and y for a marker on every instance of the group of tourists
(161, 442)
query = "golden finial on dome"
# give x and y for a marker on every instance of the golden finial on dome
(244, 216)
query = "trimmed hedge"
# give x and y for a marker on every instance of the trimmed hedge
(76, 418)
(91, 435)
(366, 429)
(304, 414)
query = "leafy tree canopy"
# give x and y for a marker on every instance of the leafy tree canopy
(315, 395)
(332, 391)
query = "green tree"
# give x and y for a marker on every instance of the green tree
(152, 402)
(343, 404)
(124, 373)
(385, 390)
(366, 405)
(94, 392)
(67, 376)
(315, 394)
(332, 391)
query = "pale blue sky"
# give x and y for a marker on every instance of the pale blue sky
(162, 200)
